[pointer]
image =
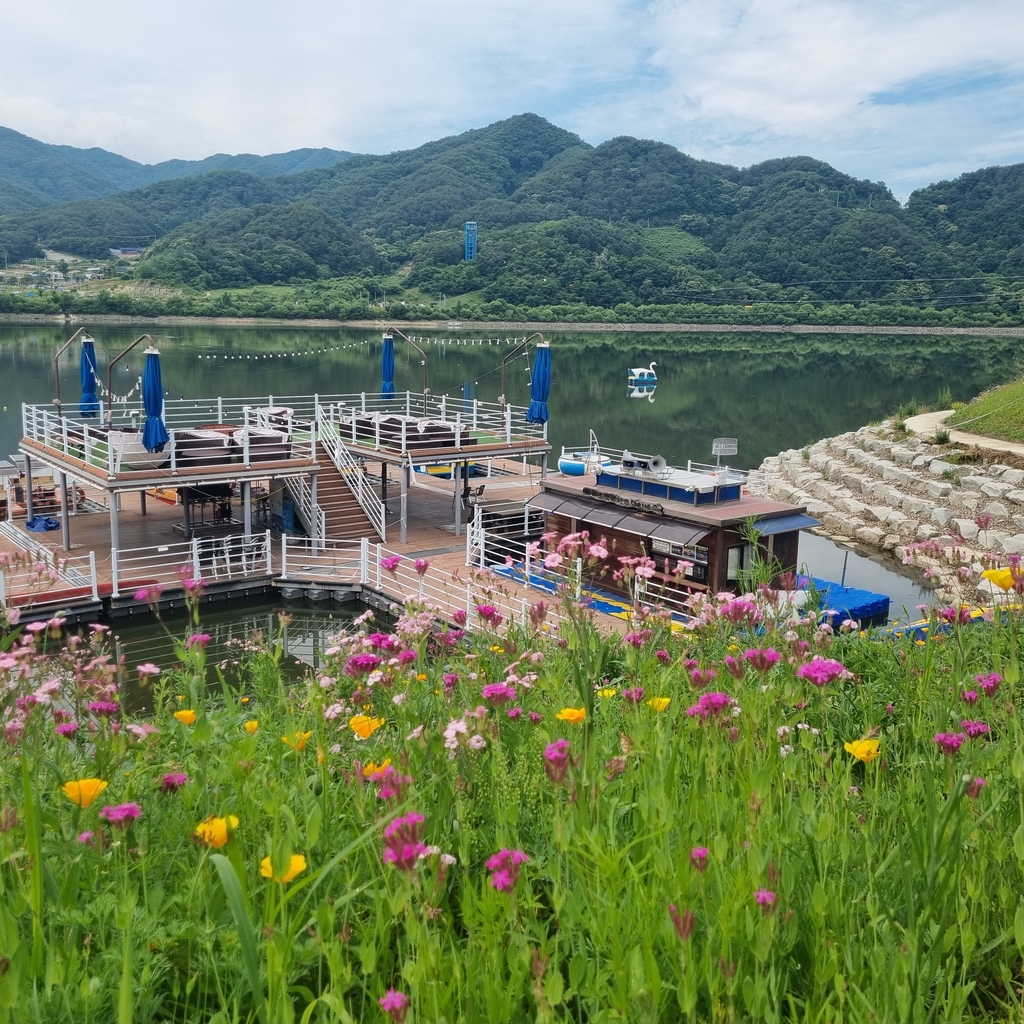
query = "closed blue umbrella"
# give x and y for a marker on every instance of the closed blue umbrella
(387, 368)
(540, 388)
(154, 433)
(90, 404)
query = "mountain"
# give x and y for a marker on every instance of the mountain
(628, 223)
(34, 174)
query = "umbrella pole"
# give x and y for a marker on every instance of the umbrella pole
(65, 522)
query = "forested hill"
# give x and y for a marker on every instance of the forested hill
(564, 227)
(34, 174)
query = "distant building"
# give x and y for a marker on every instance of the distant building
(53, 275)
(127, 250)
(470, 240)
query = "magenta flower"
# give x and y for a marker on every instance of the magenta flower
(974, 729)
(504, 868)
(664, 657)
(557, 759)
(766, 900)
(638, 638)
(634, 695)
(459, 616)
(391, 563)
(709, 705)
(949, 742)
(489, 614)
(67, 730)
(395, 1004)
(989, 683)
(822, 671)
(173, 781)
(103, 707)
(535, 716)
(701, 678)
(121, 816)
(391, 784)
(407, 657)
(735, 666)
(684, 921)
(451, 680)
(402, 842)
(422, 565)
(198, 640)
(378, 640)
(498, 693)
(361, 664)
(975, 786)
(762, 659)
(84, 837)
(969, 696)
(741, 611)
(699, 858)
(514, 713)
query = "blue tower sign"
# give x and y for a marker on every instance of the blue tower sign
(470, 240)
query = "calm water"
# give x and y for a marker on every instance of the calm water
(772, 392)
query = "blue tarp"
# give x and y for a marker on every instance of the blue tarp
(41, 524)
(541, 386)
(154, 433)
(90, 404)
(387, 368)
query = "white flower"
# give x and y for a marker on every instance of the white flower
(477, 742)
(416, 733)
(736, 710)
(783, 731)
(448, 859)
(399, 698)
(785, 751)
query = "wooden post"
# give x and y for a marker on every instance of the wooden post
(30, 505)
(142, 503)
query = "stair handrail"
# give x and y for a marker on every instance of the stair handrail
(351, 472)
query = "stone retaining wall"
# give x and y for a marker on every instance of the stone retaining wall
(882, 490)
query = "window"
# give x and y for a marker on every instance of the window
(739, 557)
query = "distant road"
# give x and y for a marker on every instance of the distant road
(509, 325)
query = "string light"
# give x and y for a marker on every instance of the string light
(340, 348)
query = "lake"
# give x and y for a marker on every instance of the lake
(770, 391)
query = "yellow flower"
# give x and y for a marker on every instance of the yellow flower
(180, 696)
(83, 791)
(607, 692)
(295, 868)
(572, 715)
(296, 740)
(245, 700)
(251, 726)
(215, 831)
(497, 649)
(863, 750)
(1002, 578)
(659, 703)
(364, 726)
(422, 677)
(186, 716)
(373, 768)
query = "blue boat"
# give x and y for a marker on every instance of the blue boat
(574, 462)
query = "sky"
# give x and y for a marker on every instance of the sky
(901, 91)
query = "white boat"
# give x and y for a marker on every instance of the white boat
(579, 462)
(643, 374)
(642, 391)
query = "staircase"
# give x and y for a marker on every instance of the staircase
(343, 516)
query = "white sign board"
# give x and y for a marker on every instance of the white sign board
(724, 446)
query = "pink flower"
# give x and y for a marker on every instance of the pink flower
(407, 657)
(121, 816)
(701, 678)
(557, 759)
(989, 683)
(552, 560)
(709, 705)
(684, 922)
(173, 781)
(633, 695)
(361, 664)
(638, 638)
(664, 657)
(699, 858)
(762, 659)
(421, 565)
(198, 640)
(402, 842)
(974, 787)
(84, 837)
(147, 668)
(949, 742)
(969, 696)
(735, 666)
(535, 716)
(822, 671)
(103, 707)
(538, 613)
(974, 729)
(489, 614)
(67, 730)
(498, 693)
(765, 900)
(395, 1004)
(504, 868)
(391, 784)
(514, 713)
(459, 616)
(391, 563)
(451, 680)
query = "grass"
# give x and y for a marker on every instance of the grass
(996, 413)
(750, 821)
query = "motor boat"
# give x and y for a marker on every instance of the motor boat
(579, 462)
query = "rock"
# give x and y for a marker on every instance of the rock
(900, 477)
(941, 516)
(1014, 544)
(853, 506)
(902, 456)
(938, 489)
(1017, 497)
(967, 528)
(916, 506)
(920, 462)
(973, 483)
(890, 542)
(870, 535)
(1013, 476)
(993, 489)
(996, 510)
(926, 532)
(937, 467)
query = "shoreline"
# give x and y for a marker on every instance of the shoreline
(562, 327)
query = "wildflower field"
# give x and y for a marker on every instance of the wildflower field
(758, 819)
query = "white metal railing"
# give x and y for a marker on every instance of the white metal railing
(494, 522)
(351, 470)
(207, 559)
(89, 441)
(49, 579)
(338, 561)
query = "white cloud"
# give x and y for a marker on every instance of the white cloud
(899, 90)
